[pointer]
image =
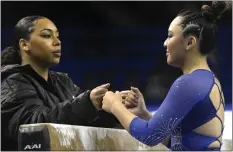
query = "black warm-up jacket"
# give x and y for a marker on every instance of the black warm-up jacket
(27, 98)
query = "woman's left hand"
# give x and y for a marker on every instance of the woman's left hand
(110, 100)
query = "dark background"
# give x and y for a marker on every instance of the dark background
(119, 42)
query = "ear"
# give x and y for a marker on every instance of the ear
(24, 46)
(191, 42)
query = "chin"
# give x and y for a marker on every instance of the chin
(169, 61)
(54, 63)
(172, 63)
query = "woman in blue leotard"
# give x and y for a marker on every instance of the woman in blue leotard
(192, 114)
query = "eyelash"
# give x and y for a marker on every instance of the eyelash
(48, 36)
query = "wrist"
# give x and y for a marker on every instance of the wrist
(96, 105)
(90, 96)
(146, 115)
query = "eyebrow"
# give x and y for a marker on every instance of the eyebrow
(48, 30)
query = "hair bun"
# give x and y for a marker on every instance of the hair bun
(207, 12)
(214, 12)
(205, 7)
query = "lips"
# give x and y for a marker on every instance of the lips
(167, 53)
(57, 53)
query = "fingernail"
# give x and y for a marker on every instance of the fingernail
(132, 87)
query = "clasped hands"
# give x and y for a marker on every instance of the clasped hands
(106, 100)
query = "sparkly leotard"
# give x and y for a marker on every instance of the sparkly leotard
(186, 107)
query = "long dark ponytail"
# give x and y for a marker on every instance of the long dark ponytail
(22, 30)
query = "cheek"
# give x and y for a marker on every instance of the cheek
(39, 46)
(171, 43)
(175, 46)
(40, 49)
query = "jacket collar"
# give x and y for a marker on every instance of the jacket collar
(24, 69)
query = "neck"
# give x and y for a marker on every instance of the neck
(194, 62)
(42, 71)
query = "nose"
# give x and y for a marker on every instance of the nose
(56, 42)
(165, 43)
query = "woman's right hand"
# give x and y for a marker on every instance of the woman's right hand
(134, 102)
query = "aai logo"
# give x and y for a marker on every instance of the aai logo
(32, 146)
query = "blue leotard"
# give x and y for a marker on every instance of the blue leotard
(186, 107)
